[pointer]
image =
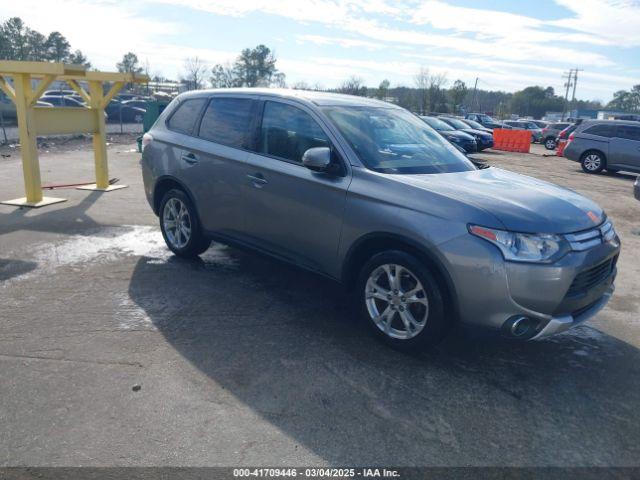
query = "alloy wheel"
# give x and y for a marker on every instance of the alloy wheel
(177, 223)
(396, 301)
(592, 162)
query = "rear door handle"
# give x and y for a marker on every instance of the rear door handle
(257, 179)
(189, 157)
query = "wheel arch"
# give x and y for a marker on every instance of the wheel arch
(371, 244)
(166, 183)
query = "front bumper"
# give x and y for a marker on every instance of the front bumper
(553, 297)
(565, 322)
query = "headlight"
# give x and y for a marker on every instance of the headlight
(523, 247)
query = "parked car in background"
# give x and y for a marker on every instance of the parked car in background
(636, 188)
(58, 93)
(485, 120)
(463, 140)
(62, 101)
(540, 123)
(125, 112)
(365, 193)
(483, 139)
(550, 134)
(611, 145)
(476, 126)
(536, 132)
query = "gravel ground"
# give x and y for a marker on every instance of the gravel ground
(114, 352)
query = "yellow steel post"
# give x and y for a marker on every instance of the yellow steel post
(28, 146)
(33, 120)
(96, 96)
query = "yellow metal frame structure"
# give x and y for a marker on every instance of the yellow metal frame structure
(34, 121)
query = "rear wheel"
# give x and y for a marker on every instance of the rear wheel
(180, 227)
(401, 301)
(550, 144)
(592, 162)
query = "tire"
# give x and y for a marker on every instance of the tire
(592, 161)
(550, 143)
(180, 225)
(402, 324)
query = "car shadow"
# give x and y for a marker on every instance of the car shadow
(287, 345)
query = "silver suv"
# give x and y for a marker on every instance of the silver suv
(605, 144)
(367, 194)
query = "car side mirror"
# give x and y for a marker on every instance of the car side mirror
(317, 159)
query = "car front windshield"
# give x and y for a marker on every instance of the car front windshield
(459, 124)
(438, 124)
(473, 124)
(392, 140)
(486, 119)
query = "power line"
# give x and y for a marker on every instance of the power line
(571, 81)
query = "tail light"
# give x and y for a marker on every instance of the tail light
(571, 136)
(146, 140)
(562, 134)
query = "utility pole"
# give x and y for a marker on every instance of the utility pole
(575, 84)
(567, 85)
(475, 89)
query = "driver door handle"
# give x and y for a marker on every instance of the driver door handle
(257, 179)
(190, 158)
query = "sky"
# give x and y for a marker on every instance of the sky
(506, 44)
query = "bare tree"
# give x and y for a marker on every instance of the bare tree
(223, 76)
(421, 80)
(301, 85)
(353, 86)
(437, 96)
(195, 70)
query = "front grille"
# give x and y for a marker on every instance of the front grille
(591, 238)
(588, 279)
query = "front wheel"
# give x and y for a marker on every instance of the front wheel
(401, 301)
(592, 162)
(180, 227)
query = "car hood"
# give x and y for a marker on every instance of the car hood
(455, 134)
(520, 203)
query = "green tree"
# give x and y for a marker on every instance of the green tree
(458, 93)
(535, 102)
(15, 39)
(129, 64)
(383, 89)
(256, 67)
(626, 100)
(57, 47)
(78, 58)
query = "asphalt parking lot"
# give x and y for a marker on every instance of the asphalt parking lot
(241, 360)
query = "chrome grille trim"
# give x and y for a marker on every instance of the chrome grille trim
(582, 241)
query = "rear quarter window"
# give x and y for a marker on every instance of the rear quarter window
(628, 132)
(184, 118)
(601, 130)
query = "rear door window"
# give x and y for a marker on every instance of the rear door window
(287, 132)
(184, 118)
(227, 121)
(628, 132)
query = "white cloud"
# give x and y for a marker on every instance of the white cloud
(615, 21)
(507, 50)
